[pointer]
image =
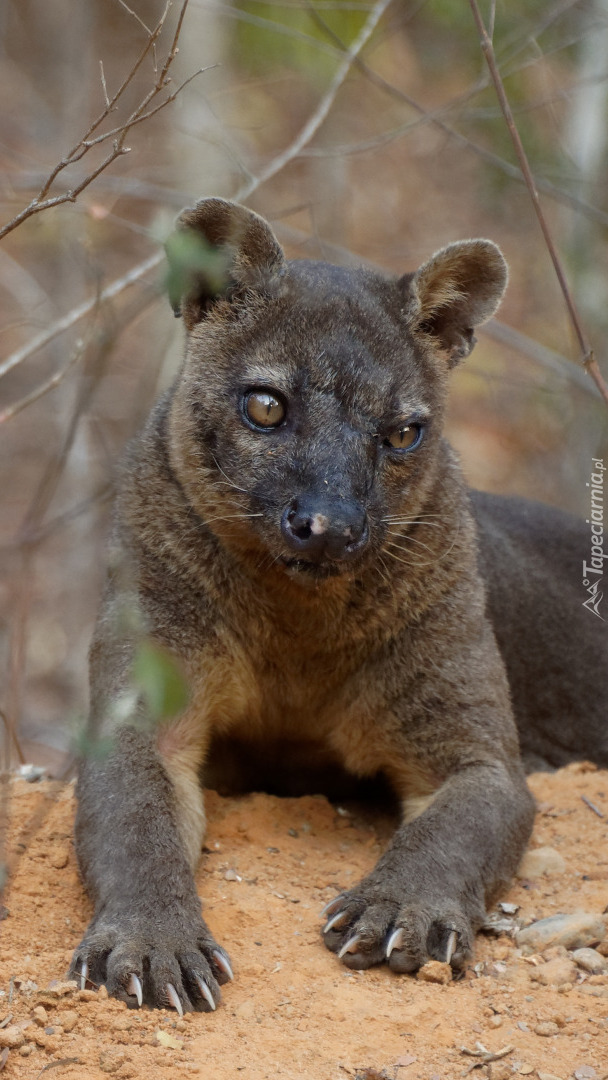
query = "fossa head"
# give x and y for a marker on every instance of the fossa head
(307, 418)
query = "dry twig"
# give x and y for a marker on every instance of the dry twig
(587, 357)
(322, 111)
(592, 806)
(117, 134)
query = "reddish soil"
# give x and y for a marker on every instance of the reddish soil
(293, 1011)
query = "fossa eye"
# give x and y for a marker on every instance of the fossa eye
(406, 437)
(264, 409)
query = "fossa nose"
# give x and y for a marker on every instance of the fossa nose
(320, 528)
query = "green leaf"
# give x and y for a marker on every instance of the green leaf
(160, 679)
(193, 261)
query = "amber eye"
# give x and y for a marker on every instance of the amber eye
(264, 409)
(404, 438)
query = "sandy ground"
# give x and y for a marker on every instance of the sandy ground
(293, 1011)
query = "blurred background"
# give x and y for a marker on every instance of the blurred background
(381, 157)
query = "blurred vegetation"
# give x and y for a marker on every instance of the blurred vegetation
(405, 153)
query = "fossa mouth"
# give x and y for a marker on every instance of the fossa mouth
(309, 570)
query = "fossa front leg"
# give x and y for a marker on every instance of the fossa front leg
(426, 896)
(139, 830)
(448, 744)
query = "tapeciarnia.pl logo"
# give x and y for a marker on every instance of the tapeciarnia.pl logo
(593, 571)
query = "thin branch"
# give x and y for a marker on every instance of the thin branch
(43, 201)
(540, 355)
(587, 358)
(103, 85)
(135, 16)
(45, 387)
(10, 729)
(44, 531)
(136, 118)
(76, 314)
(316, 120)
(434, 117)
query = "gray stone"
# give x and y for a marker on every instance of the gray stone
(541, 861)
(573, 931)
(591, 961)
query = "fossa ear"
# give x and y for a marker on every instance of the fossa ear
(459, 288)
(218, 250)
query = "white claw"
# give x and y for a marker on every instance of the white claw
(451, 946)
(205, 991)
(333, 905)
(134, 988)
(223, 962)
(334, 921)
(84, 974)
(395, 941)
(173, 998)
(350, 945)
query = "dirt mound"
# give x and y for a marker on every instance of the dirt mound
(293, 1011)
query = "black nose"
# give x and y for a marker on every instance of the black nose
(318, 528)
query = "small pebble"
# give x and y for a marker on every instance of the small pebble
(435, 972)
(68, 1020)
(59, 858)
(548, 1076)
(500, 1071)
(542, 861)
(555, 972)
(546, 1027)
(40, 1016)
(12, 1037)
(58, 989)
(585, 1072)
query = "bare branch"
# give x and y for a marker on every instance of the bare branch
(45, 387)
(137, 118)
(435, 117)
(76, 314)
(104, 86)
(587, 358)
(10, 728)
(43, 201)
(315, 121)
(135, 16)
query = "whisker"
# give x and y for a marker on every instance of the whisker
(407, 521)
(409, 540)
(406, 562)
(420, 518)
(231, 482)
(385, 577)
